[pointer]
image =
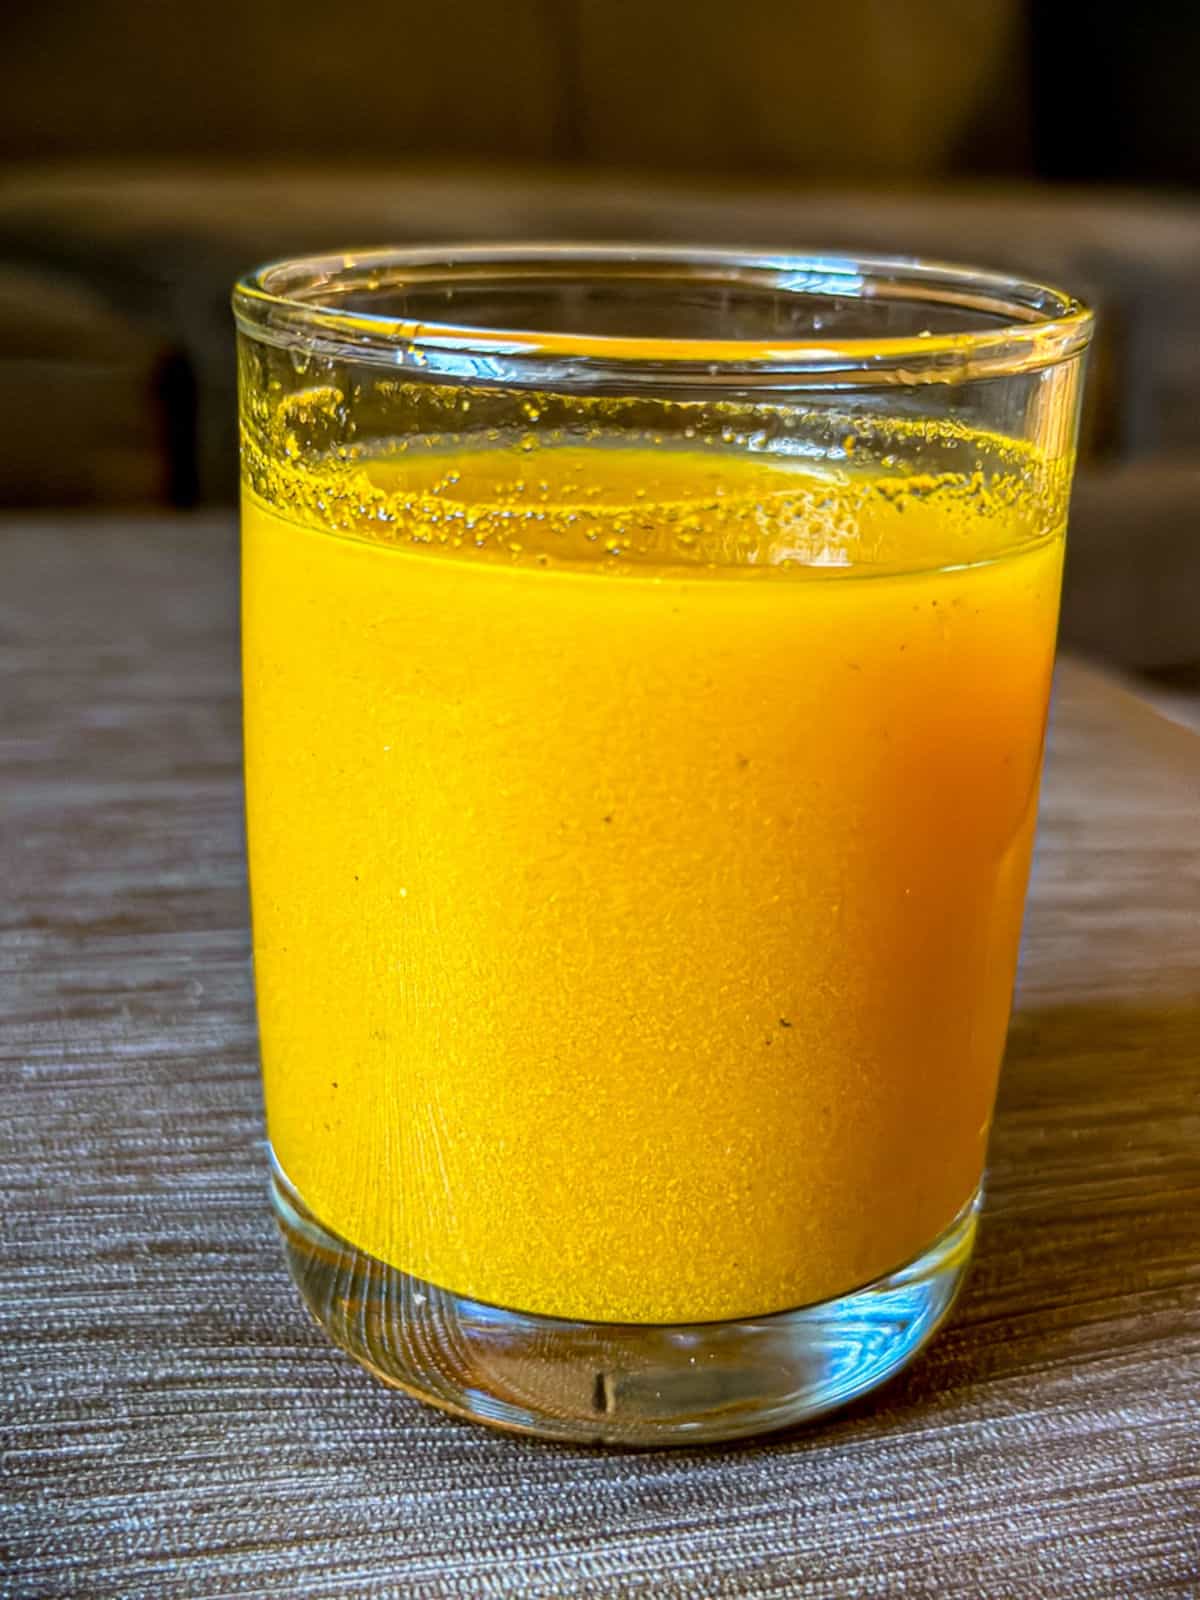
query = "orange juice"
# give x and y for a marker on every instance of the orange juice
(638, 842)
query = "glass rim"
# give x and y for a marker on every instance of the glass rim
(293, 303)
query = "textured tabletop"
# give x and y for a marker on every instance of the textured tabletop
(171, 1423)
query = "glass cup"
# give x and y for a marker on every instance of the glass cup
(646, 656)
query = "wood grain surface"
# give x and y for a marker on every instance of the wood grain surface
(171, 1423)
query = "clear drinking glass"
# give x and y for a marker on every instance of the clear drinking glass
(646, 660)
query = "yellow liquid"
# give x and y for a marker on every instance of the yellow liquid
(636, 941)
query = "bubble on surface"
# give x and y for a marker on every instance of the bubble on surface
(761, 498)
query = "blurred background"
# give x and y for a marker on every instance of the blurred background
(150, 151)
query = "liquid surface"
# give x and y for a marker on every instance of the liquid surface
(636, 942)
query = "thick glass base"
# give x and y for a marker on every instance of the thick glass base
(618, 1383)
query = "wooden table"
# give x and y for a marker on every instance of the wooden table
(173, 1425)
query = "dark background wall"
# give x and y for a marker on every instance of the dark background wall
(879, 88)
